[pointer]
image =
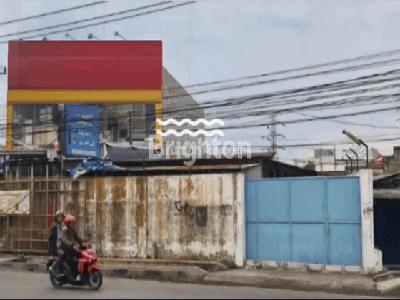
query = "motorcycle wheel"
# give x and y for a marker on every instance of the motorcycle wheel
(57, 284)
(95, 280)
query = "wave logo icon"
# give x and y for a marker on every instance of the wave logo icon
(194, 123)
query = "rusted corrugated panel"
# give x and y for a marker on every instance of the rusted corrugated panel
(118, 216)
(192, 217)
(165, 217)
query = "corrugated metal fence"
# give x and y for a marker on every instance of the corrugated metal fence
(170, 217)
(29, 233)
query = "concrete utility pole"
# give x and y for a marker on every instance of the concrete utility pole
(359, 142)
(4, 71)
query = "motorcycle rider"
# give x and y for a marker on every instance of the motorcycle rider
(70, 244)
(55, 241)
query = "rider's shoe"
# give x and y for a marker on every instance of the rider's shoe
(78, 278)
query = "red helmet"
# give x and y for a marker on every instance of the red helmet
(69, 220)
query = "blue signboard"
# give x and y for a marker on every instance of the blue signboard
(82, 128)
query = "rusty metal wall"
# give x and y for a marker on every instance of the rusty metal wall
(196, 217)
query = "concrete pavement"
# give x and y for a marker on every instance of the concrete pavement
(37, 286)
(273, 279)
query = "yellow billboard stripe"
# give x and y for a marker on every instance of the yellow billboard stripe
(83, 96)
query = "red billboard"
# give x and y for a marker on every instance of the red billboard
(89, 65)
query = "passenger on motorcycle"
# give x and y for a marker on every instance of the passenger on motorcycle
(55, 241)
(71, 244)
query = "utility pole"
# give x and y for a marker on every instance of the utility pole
(273, 136)
(334, 157)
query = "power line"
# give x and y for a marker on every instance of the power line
(149, 12)
(292, 77)
(334, 104)
(293, 146)
(290, 93)
(52, 12)
(376, 78)
(293, 121)
(321, 118)
(257, 110)
(316, 89)
(358, 124)
(303, 68)
(326, 105)
(84, 20)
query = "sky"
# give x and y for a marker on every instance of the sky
(222, 39)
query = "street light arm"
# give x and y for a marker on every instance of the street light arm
(359, 142)
(352, 137)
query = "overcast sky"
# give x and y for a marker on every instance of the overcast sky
(221, 39)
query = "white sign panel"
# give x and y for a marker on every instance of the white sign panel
(14, 202)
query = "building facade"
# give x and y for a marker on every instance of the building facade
(82, 97)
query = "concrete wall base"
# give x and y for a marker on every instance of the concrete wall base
(302, 267)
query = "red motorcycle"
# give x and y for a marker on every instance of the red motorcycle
(88, 268)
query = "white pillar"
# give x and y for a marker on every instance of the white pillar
(240, 224)
(371, 257)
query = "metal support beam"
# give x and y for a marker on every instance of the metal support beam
(356, 155)
(351, 163)
(9, 127)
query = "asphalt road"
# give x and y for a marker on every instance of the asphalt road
(37, 286)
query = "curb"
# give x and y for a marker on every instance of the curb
(350, 286)
(210, 266)
(361, 285)
(171, 274)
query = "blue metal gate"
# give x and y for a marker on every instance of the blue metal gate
(307, 219)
